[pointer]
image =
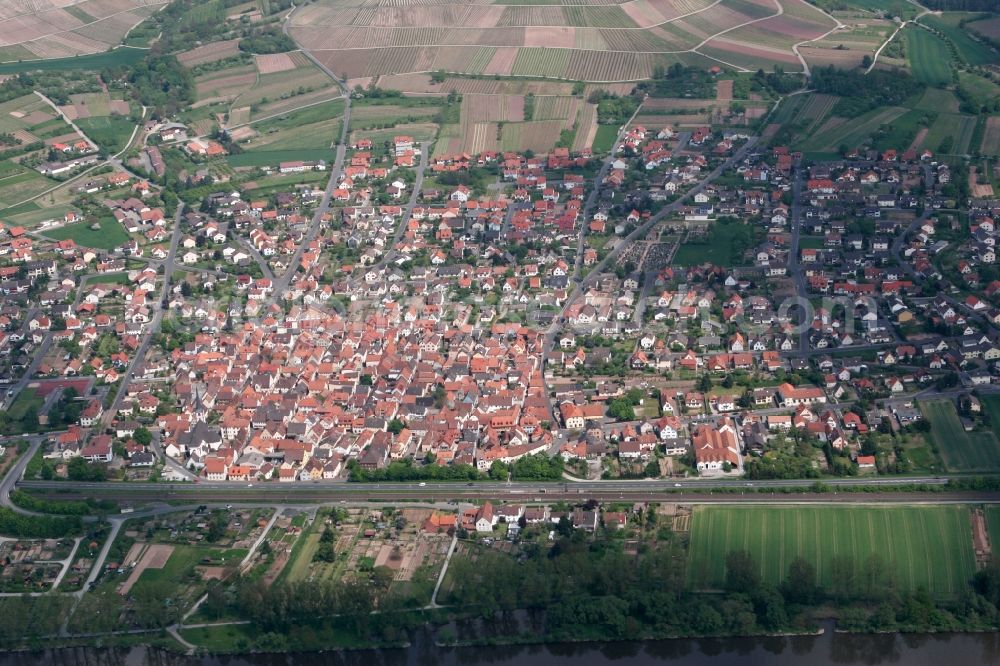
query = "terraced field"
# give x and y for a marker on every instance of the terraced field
(925, 547)
(53, 29)
(577, 41)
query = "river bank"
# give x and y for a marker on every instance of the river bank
(828, 648)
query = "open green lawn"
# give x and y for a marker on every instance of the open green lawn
(716, 250)
(227, 638)
(273, 157)
(929, 547)
(183, 559)
(604, 139)
(306, 116)
(961, 451)
(179, 565)
(969, 50)
(109, 132)
(25, 400)
(304, 137)
(302, 556)
(30, 216)
(110, 235)
(929, 56)
(20, 186)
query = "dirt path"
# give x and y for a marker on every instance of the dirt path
(918, 140)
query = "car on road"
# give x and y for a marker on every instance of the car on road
(677, 485)
(422, 484)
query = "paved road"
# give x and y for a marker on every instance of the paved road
(588, 206)
(15, 474)
(404, 218)
(265, 268)
(36, 360)
(336, 171)
(639, 232)
(170, 462)
(795, 269)
(153, 326)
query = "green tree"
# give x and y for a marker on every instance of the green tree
(143, 436)
(742, 572)
(800, 585)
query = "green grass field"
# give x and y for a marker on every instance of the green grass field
(109, 132)
(938, 101)
(900, 8)
(25, 400)
(991, 403)
(717, 250)
(929, 57)
(227, 638)
(96, 61)
(969, 50)
(110, 235)
(273, 157)
(20, 186)
(980, 89)
(992, 514)
(604, 139)
(961, 451)
(929, 547)
(899, 134)
(313, 114)
(32, 216)
(852, 133)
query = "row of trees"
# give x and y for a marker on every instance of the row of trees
(407, 470)
(38, 527)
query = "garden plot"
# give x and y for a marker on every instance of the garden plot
(274, 62)
(210, 53)
(991, 137)
(141, 557)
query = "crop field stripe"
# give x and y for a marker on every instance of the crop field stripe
(923, 546)
(929, 56)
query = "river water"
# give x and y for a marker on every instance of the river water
(827, 649)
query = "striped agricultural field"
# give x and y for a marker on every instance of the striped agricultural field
(923, 547)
